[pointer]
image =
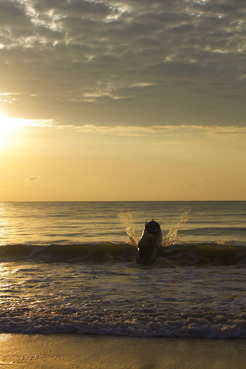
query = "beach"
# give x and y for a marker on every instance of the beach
(85, 351)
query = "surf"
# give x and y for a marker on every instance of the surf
(201, 254)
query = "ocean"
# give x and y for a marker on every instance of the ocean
(69, 267)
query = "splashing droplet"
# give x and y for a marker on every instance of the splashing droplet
(171, 237)
(127, 220)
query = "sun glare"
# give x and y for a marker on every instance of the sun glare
(8, 127)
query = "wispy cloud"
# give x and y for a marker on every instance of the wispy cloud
(204, 180)
(32, 178)
(194, 130)
(23, 122)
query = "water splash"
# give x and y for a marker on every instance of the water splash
(127, 220)
(171, 237)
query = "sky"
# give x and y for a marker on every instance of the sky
(122, 100)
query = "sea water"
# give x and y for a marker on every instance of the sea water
(70, 267)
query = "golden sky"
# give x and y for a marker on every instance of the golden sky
(122, 100)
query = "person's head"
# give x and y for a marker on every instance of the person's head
(152, 227)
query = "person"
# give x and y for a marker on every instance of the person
(150, 242)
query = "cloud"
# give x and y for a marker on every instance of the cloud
(136, 61)
(204, 180)
(32, 178)
(211, 132)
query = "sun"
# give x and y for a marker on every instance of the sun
(8, 128)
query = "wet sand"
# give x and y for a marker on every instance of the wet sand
(79, 351)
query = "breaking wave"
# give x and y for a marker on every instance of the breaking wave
(180, 254)
(119, 323)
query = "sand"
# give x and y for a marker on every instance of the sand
(78, 351)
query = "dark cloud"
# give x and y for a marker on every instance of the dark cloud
(125, 62)
(12, 14)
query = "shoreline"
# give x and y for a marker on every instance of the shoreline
(65, 350)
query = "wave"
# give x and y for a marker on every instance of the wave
(121, 324)
(91, 252)
(206, 254)
(179, 254)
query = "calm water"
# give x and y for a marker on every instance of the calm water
(70, 267)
